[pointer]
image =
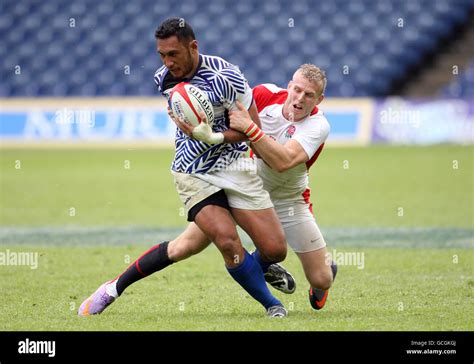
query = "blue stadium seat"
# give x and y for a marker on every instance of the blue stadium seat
(80, 48)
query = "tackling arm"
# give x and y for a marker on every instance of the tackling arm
(234, 136)
(279, 157)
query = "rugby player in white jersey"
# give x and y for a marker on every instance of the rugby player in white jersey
(293, 133)
(216, 194)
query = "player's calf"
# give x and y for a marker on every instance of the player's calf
(191, 242)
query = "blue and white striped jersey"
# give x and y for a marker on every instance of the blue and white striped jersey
(224, 84)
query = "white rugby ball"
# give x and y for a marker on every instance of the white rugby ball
(188, 101)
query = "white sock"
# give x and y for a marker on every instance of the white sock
(111, 288)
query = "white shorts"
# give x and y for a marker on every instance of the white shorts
(304, 237)
(243, 187)
(301, 230)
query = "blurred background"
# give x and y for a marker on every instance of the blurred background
(368, 48)
(420, 50)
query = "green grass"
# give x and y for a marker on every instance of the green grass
(379, 180)
(398, 289)
(93, 182)
(409, 281)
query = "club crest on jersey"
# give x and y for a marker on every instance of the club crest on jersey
(290, 131)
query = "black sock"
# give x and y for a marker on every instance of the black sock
(153, 260)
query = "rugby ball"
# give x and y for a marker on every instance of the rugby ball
(188, 102)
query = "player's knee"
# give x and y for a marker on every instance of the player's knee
(321, 280)
(279, 254)
(275, 248)
(280, 248)
(229, 245)
(274, 253)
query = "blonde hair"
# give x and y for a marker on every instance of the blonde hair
(313, 74)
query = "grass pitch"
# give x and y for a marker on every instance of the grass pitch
(87, 213)
(397, 290)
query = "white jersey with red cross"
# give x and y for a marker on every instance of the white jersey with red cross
(310, 132)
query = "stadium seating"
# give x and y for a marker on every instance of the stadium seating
(89, 47)
(463, 84)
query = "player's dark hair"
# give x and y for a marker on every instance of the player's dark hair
(175, 26)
